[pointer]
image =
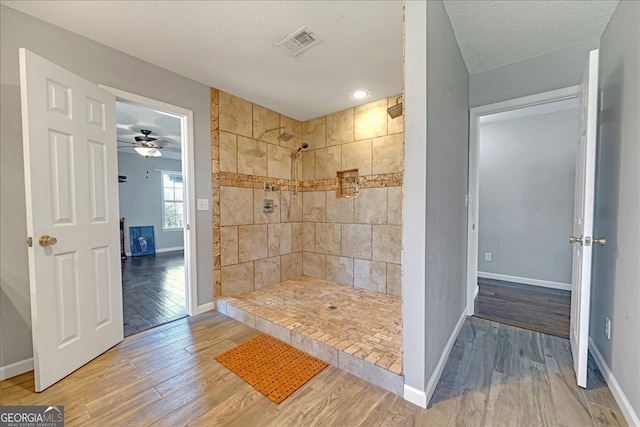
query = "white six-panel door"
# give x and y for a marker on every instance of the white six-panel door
(582, 238)
(69, 138)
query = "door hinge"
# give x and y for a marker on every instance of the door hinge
(187, 227)
(466, 200)
(30, 242)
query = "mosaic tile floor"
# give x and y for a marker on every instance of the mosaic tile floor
(364, 331)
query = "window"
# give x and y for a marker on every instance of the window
(173, 201)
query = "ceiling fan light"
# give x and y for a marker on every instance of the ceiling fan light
(148, 151)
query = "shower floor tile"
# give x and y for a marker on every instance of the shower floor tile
(363, 332)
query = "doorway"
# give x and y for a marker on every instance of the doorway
(521, 181)
(156, 210)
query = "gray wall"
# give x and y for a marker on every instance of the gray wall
(435, 184)
(141, 197)
(98, 64)
(527, 174)
(554, 70)
(616, 267)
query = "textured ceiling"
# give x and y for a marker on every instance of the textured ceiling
(496, 33)
(231, 45)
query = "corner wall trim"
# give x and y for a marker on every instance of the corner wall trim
(205, 307)
(435, 377)
(415, 396)
(526, 281)
(16, 368)
(616, 390)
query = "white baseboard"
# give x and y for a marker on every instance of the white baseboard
(205, 307)
(159, 251)
(415, 396)
(616, 390)
(422, 398)
(526, 281)
(16, 368)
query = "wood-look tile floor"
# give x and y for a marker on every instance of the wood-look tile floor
(153, 290)
(166, 376)
(530, 307)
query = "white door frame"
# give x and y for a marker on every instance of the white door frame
(475, 114)
(188, 174)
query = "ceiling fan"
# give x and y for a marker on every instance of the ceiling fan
(146, 145)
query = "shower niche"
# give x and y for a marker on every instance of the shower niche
(347, 183)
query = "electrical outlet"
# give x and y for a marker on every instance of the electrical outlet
(488, 256)
(607, 328)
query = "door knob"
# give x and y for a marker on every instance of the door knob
(574, 239)
(47, 241)
(600, 241)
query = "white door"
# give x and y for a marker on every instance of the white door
(582, 238)
(71, 178)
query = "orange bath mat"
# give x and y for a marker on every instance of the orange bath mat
(271, 366)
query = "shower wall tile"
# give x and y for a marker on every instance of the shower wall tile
(339, 270)
(356, 241)
(370, 275)
(228, 152)
(291, 266)
(280, 239)
(308, 237)
(252, 156)
(295, 213)
(229, 245)
(296, 237)
(370, 207)
(339, 127)
(313, 132)
(327, 162)
(386, 243)
(235, 115)
(328, 238)
(313, 206)
(252, 242)
(237, 279)
(388, 154)
(260, 217)
(394, 125)
(279, 162)
(267, 272)
(394, 202)
(293, 127)
(339, 210)
(313, 265)
(370, 120)
(357, 155)
(308, 165)
(394, 279)
(236, 206)
(264, 119)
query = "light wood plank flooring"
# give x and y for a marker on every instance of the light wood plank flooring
(496, 375)
(530, 307)
(153, 290)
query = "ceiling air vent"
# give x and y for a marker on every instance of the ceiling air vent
(298, 42)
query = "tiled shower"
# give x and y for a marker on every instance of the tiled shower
(354, 241)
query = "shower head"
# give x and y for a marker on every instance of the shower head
(284, 136)
(395, 110)
(302, 147)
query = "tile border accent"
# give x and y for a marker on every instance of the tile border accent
(215, 190)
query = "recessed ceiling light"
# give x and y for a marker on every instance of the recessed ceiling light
(359, 94)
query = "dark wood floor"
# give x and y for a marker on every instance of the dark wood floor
(153, 290)
(531, 307)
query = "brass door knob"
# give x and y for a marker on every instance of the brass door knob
(574, 239)
(600, 241)
(47, 241)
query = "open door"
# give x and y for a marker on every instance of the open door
(70, 164)
(582, 238)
